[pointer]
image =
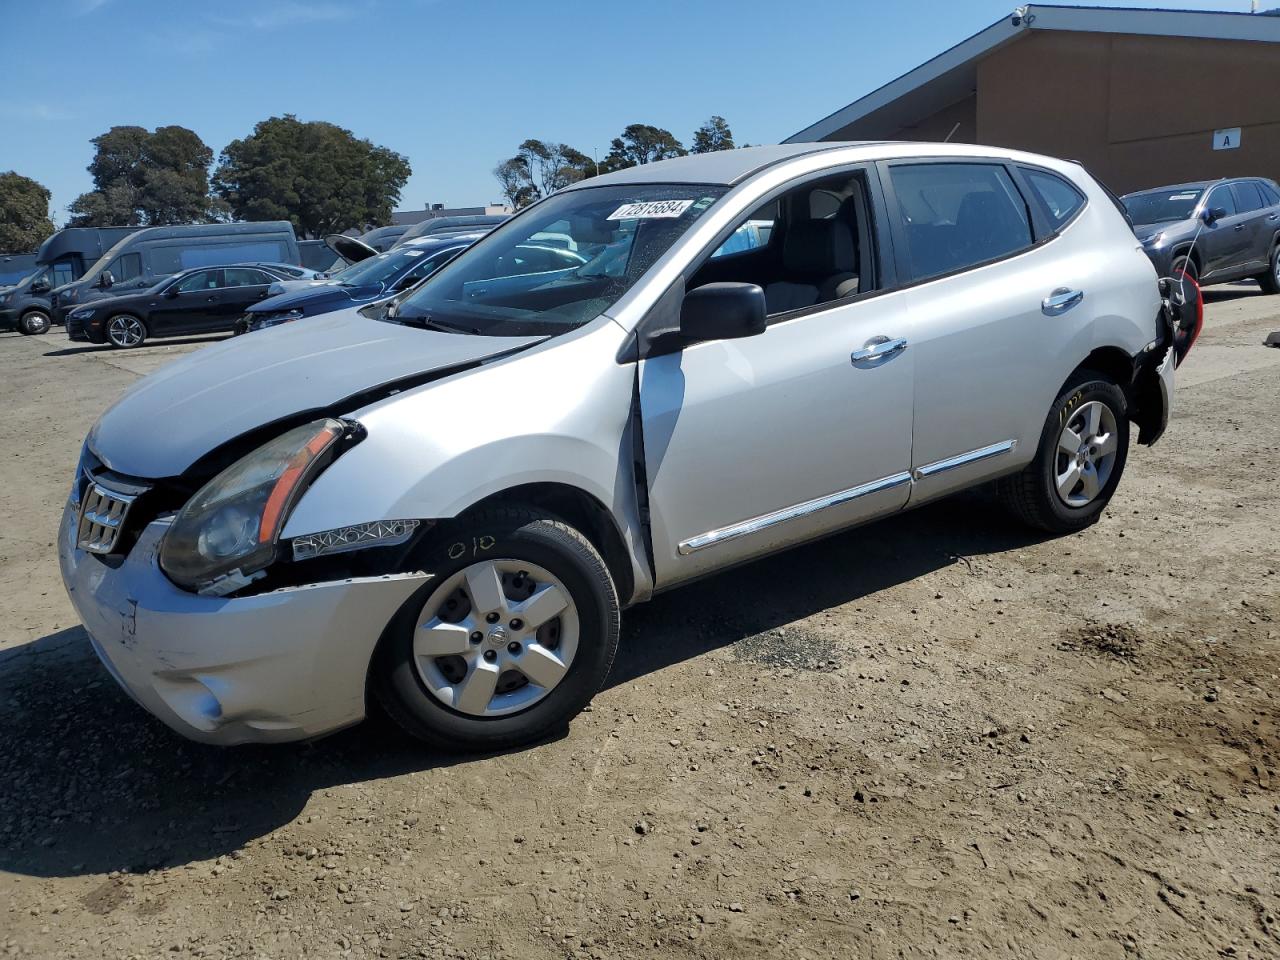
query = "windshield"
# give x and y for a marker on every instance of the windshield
(1162, 206)
(383, 268)
(559, 265)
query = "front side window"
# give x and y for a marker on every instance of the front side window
(1221, 199)
(1060, 198)
(61, 273)
(204, 280)
(127, 266)
(958, 215)
(615, 232)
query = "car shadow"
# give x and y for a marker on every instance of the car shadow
(1227, 292)
(90, 783)
(141, 348)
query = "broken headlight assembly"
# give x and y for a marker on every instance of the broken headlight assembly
(227, 533)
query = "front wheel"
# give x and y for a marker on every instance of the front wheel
(125, 331)
(34, 322)
(1082, 453)
(512, 637)
(1270, 279)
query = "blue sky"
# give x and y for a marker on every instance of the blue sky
(455, 85)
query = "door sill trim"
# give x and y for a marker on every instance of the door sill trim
(963, 459)
(808, 508)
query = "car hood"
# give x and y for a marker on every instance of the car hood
(169, 420)
(314, 294)
(1169, 226)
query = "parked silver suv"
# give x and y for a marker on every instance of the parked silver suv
(445, 506)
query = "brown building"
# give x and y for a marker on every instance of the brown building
(1140, 97)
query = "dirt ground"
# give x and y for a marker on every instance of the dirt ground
(938, 736)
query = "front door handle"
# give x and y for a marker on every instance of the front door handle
(878, 350)
(1061, 300)
(1239, 227)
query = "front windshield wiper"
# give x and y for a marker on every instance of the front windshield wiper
(427, 323)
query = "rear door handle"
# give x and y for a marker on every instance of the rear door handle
(1239, 227)
(1061, 300)
(878, 350)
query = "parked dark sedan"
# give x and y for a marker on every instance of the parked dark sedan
(205, 300)
(378, 277)
(1214, 231)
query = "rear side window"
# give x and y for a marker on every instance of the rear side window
(958, 215)
(244, 277)
(1060, 198)
(1248, 196)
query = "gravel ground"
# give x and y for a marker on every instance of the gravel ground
(937, 736)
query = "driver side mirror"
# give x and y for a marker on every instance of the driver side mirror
(723, 311)
(1212, 214)
(106, 280)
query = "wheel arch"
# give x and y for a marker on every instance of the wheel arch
(1187, 249)
(581, 510)
(1142, 392)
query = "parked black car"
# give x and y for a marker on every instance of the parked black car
(1214, 231)
(378, 276)
(206, 300)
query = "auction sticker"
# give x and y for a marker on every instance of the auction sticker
(651, 210)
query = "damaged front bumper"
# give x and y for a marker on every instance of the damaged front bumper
(285, 665)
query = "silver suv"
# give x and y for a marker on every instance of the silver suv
(445, 504)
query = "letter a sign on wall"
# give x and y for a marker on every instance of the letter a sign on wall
(1228, 139)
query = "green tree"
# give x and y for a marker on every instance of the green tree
(517, 186)
(552, 166)
(711, 136)
(641, 143)
(316, 174)
(24, 213)
(145, 178)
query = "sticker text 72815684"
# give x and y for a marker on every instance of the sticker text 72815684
(651, 210)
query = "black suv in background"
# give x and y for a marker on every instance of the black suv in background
(205, 300)
(1214, 231)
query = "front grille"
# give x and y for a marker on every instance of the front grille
(103, 513)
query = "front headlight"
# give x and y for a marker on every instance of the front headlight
(1151, 239)
(228, 530)
(5, 297)
(84, 313)
(275, 319)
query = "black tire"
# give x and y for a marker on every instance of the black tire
(1032, 494)
(511, 534)
(1184, 264)
(141, 327)
(33, 323)
(1270, 279)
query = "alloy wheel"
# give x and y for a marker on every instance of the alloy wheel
(1086, 454)
(496, 637)
(1275, 267)
(125, 331)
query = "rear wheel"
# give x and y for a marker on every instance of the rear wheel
(34, 322)
(509, 641)
(1270, 279)
(125, 331)
(1082, 453)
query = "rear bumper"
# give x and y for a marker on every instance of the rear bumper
(286, 665)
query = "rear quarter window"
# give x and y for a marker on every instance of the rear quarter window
(1062, 201)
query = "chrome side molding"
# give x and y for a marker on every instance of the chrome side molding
(808, 508)
(963, 459)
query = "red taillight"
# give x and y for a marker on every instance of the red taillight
(1190, 317)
